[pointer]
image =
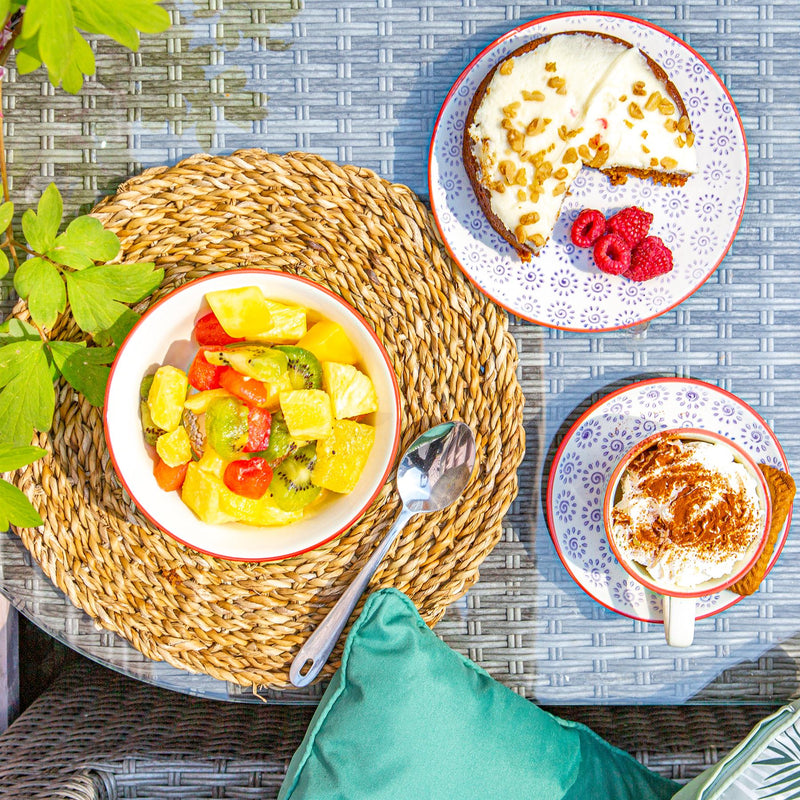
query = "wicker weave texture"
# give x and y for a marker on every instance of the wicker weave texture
(372, 242)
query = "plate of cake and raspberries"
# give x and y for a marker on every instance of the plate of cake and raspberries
(588, 171)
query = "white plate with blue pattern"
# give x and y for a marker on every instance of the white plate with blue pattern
(592, 448)
(562, 288)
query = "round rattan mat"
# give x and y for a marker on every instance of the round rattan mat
(375, 244)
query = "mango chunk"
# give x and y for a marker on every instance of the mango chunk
(212, 462)
(350, 390)
(166, 397)
(307, 413)
(202, 493)
(328, 342)
(242, 312)
(174, 448)
(262, 512)
(342, 456)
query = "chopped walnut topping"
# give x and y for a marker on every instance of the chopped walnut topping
(519, 232)
(521, 178)
(680, 141)
(534, 192)
(653, 101)
(536, 96)
(653, 162)
(531, 218)
(559, 188)
(516, 141)
(623, 98)
(666, 107)
(537, 239)
(562, 133)
(671, 125)
(583, 152)
(521, 196)
(550, 66)
(594, 142)
(645, 149)
(507, 124)
(634, 111)
(560, 173)
(536, 126)
(638, 89)
(628, 123)
(645, 134)
(600, 157)
(690, 138)
(507, 170)
(544, 171)
(570, 156)
(668, 163)
(537, 158)
(498, 187)
(683, 124)
(510, 110)
(507, 67)
(556, 83)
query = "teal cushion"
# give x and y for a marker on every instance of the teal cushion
(407, 718)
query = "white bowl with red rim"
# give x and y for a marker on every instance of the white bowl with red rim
(164, 336)
(679, 602)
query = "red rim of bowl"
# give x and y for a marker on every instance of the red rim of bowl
(395, 391)
(696, 434)
(568, 436)
(514, 32)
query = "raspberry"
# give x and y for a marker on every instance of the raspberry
(632, 224)
(612, 254)
(588, 228)
(649, 258)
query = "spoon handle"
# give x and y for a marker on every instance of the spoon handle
(314, 653)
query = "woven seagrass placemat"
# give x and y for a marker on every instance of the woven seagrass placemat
(375, 244)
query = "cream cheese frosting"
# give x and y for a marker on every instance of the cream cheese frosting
(576, 99)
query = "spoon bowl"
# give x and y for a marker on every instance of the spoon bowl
(432, 474)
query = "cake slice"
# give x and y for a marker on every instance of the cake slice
(558, 104)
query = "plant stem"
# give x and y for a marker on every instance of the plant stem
(14, 25)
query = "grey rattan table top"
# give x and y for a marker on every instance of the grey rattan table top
(362, 81)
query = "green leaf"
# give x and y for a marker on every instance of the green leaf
(96, 294)
(83, 367)
(27, 60)
(83, 242)
(6, 215)
(119, 330)
(82, 54)
(34, 232)
(27, 400)
(52, 21)
(72, 78)
(50, 210)
(16, 509)
(15, 330)
(12, 458)
(39, 282)
(4, 265)
(5, 8)
(100, 16)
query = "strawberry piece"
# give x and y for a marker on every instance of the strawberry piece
(202, 375)
(208, 330)
(259, 427)
(632, 224)
(651, 257)
(589, 226)
(612, 254)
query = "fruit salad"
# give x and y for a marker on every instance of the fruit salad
(273, 413)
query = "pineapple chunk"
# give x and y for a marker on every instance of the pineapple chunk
(351, 391)
(199, 402)
(328, 342)
(166, 396)
(242, 312)
(276, 388)
(307, 413)
(174, 448)
(262, 512)
(288, 324)
(202, 492)
(212, 462)
(341, 457)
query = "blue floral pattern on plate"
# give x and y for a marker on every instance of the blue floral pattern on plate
(562, 290)
(587, 457)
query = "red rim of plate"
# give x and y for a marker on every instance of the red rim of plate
(514, 32)
(570, 433)
(687, 433)
(395, 388)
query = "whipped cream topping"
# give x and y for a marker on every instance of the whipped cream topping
(688, 513)
(574, 100)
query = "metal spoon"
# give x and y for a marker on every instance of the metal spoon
(432, 474)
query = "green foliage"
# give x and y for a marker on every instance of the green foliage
(51, 33)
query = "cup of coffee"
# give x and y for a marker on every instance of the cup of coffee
(687, 513)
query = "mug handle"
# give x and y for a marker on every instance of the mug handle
(679, 620)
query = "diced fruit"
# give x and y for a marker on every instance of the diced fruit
(144, 386)
(350, 390)
(305, 371)
(203, 375)
(241, 312)
(288, 324)
(226, 426)
(149, 428)
(264, 512)
(248, 389)
(259, 423)
(249, 477)
(169, 478)
(208, 331)
(307, 413)
(328, 342)
(283, 384)
(166, 396)
(280, 441)
(254, 360)
(202, 492)
(199, 403)
(212, 462)
(174, 448)
(341, 457)
(291, 485)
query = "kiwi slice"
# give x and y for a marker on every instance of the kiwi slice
(305, 371)
(254, 360)
(291, 485)
(149, 428)
(144, 386)
(280, 442)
